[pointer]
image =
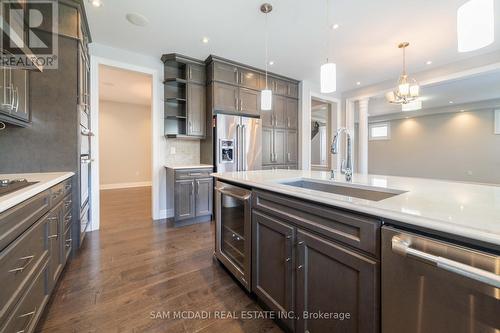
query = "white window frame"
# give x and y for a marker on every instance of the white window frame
(386, 124)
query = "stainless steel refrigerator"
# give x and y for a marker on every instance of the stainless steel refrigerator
(238, 143)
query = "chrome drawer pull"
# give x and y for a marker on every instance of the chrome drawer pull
(28, 324)
(53, 236)
(68, 242)
(68, 203)
(20, 269)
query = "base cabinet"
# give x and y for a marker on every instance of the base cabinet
(272, 262)
(334, 280)
(313, 282)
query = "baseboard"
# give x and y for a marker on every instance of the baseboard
(166, 213)
(123, 185)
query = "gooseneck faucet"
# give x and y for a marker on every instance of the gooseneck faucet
(346, 165)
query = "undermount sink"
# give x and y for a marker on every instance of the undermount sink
(356, 191)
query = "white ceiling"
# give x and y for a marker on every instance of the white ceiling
(472, 89)
(123, 86)
(364, 47)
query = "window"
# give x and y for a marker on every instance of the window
(379, 131)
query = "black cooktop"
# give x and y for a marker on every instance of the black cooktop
(8, 186)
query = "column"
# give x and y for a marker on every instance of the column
(363, 136)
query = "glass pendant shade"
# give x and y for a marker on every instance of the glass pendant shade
(328, 78)
(404, 88)
(475, 25)
(266, 100)
(414, 90)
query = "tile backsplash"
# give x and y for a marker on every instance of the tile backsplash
(182, 151)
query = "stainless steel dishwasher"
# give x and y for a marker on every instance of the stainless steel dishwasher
(433, 286)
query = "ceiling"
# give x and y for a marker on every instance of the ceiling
(364, 45)
(472, 89)
(123, 86)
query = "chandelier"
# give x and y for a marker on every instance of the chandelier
(408, 89)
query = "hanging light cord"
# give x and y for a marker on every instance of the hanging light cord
(404, 60)
(327, 34)
(266, 37)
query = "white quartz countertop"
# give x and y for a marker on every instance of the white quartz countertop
(45, 181)
(463, 209)
(188, 166)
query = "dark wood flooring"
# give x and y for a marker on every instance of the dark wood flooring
(133, 269)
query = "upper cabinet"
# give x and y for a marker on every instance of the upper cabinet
(185, 97)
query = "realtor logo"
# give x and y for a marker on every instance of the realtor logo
(29, 35)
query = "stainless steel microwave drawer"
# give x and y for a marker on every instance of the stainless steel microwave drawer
(29, 309)
(356, 230)
(20, 261)
(14, 221)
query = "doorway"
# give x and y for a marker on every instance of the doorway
(125, 147)
(323, 125)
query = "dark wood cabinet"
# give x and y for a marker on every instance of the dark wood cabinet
(196, 109)
(301, 263)
(333, 279)
(223, 72)
(196, 73)
(191, 192)
(267, 146)
(249, 101)
(14, 97)
(55, 238)
(184, 199)
(249, 79)
(279, 146)
(224, 97)
(279, 110)
(204, 196)
(291, 143)
(273, 264)
(292, 113)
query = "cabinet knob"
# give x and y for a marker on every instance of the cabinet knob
(300, 267)
(288, 259)
(301, 243)
(288, 236)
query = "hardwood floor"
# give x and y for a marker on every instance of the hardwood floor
(134, 269)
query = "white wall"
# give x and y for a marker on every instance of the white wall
(124, 145)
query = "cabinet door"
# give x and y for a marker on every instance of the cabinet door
(267, 145)
(249, 79)
(20, 90)
(225, 73)
(204, 191)
(334, 279)
(279, 146)
(184, 199)
(196, 109)
(292, 113)
(291, 147)
(272, 263)
(225, 97)
(55, 239)
(267, 118)
(195, 73)
(280, 87)
(293, 90)
(279, 108)
(249, 101)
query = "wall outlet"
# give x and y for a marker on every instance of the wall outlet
(172, 150)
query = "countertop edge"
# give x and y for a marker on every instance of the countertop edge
(34, 190)
(408, 220)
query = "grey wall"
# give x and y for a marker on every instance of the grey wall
(50, 143)
(457, 146)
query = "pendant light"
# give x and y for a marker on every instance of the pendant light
(475, 25)
(266, 95)
(407, 89)
(328, 72)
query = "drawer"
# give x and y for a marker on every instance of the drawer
(356, 230)
(192, 173)
(67, 220)
(67, 204)
(58, 191)
(28, 311)
(14, 221)
(20, 260)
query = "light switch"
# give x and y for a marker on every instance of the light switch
(172, 150)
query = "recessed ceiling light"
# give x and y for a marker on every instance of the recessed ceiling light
(429, 62)
(96, 3)
(205, 40)
(451, 102)
(335, 26)
(271, 63)
(137, 19)
(358, 83)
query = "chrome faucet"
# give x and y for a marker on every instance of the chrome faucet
(346, 165)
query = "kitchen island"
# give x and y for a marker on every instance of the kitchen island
(330, 255)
